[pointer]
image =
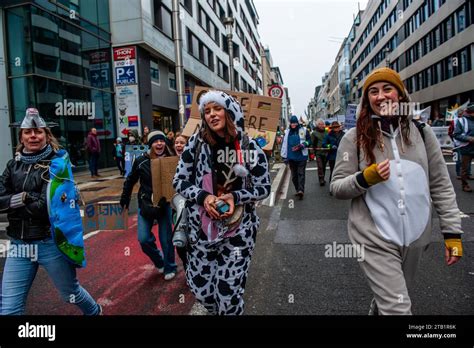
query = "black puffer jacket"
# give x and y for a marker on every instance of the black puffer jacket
(31, 221)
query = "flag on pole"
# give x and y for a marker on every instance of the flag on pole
(453, 113)
(422, 115)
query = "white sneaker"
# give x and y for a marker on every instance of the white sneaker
(170, 276)
(161, 270)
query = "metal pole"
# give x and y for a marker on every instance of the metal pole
(231, 61)
(178, 48)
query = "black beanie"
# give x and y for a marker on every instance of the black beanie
(154, 136)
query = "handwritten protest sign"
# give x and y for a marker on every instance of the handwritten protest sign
(106, 215)
(262, 116)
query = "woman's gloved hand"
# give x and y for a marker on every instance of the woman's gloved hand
(453, 250)
(376, 173)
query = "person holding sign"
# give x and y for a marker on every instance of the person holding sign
(147, 212)
(295, 153)
(394, 172)
(222, 173)
(39, 237)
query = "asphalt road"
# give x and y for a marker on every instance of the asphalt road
(291, 275)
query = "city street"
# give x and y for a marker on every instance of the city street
(289, 273)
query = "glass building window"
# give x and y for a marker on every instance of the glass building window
(188, 5)
(222, 70)
(163, 18)
(154, 72)
(171, 79)
(449, 28)
(19, 46)
(66, 62)
(461, 19)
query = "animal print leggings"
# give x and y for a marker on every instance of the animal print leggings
(216, 273)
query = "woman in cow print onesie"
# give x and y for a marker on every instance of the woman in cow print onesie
(231, 168)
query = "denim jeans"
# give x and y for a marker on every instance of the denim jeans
(94, 163)
(147, 240)
(20, 271)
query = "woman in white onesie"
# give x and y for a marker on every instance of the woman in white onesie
(394, 171)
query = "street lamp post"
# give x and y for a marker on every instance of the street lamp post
(229, 24)
(178, 47)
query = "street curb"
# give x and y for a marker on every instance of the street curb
(276, 184)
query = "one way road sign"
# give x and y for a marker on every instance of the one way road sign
(125, 75)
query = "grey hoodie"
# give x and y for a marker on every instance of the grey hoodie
(397, 211)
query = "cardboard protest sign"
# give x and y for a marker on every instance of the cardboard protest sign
(132, 152)
(350, 121)
(262, 116)
(106, 215)
(162, 173)
(443, 137)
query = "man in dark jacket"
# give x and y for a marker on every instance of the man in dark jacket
(93, 148)
(331, 142)
(317, 138)
(464, 133)
(295, 153)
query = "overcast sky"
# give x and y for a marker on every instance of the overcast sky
(301, 35)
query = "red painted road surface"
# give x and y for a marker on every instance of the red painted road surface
(120, 277)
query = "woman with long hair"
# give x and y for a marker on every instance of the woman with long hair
(222, 173)
(27, 199)
(163, 260)
(394, 171)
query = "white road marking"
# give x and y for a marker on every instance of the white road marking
(285, 186)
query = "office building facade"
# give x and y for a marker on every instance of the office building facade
(57, 59)
(430, 43)
(146, 26)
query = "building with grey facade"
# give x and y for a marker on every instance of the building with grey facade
(429, 42)
(52, 53)
(146, 25)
